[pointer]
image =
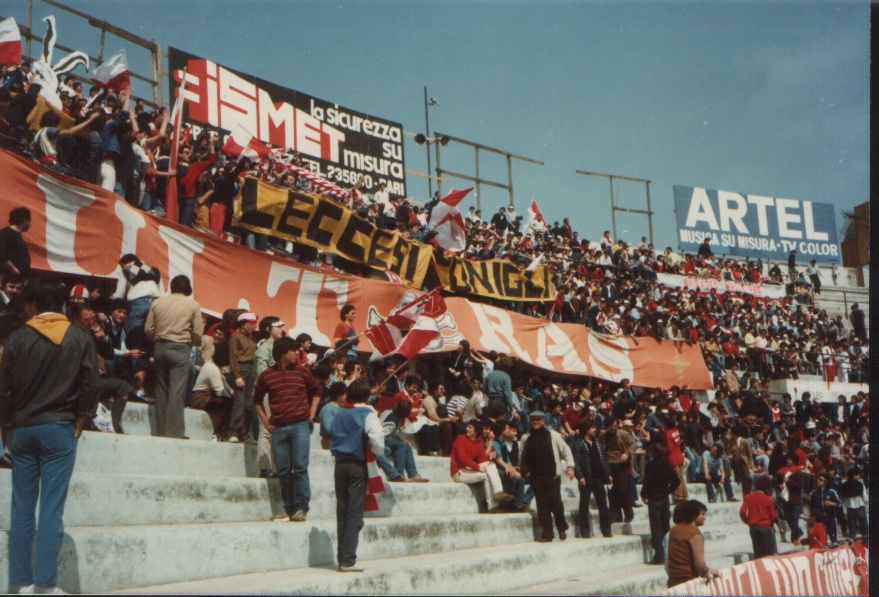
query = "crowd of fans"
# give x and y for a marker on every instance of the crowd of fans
(609, 285)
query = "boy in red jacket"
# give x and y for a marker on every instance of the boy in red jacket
(758, 512)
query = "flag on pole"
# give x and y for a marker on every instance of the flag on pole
(242, 144)
(10, 43)
(388, 339)
(113, 72)
(374, 485)
(176, 121)
(534, 216)
(448, 223)
(536, 263)
(430, 304)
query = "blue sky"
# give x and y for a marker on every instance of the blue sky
(767, 97)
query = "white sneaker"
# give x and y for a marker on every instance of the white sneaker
(49, 591)
(282, 517)
(23, 590)
(233, 439)
(215, 438)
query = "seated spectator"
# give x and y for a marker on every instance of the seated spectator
(396, 446)
(470, 463)
(213, 393)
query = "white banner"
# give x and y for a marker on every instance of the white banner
(821, 391)
(721, 286)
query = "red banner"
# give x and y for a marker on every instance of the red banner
(839, 571)
(82, 229)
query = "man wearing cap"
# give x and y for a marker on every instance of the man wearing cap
(543, 451)
(271, 328)
(242, 352)
(174, 323)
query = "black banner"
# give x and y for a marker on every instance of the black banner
(338, 143)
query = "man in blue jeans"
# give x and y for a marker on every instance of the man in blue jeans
(47, 380)
(353, 427)
(294, 394)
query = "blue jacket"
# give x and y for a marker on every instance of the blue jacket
(583, 464)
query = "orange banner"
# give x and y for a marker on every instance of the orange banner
(839, 571)
(82, 229)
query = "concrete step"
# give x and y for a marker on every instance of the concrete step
(103, 558)
(134, 454)
(155, 499)
(639, 580)
(481, 570)
(464, 570)
(140, 419)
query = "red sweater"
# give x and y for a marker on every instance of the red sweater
(758, 509)
(673, 454)
(291, 393)
(467, 453)
(817, 536)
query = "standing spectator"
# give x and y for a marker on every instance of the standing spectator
(351, 430)
(620, 447)
(294, 394)
(543, 451)
(792, 265)
(174, 323)
(758, 512)
(272, 328)
(852, 494)
(824, 499)
(660, 481)
(858, 320)
(139, 285)
(814, 277)
(345, 336)
(742, 458)
(47, 380)
(15, 258)
(242, 351)
(500, 221)
(675, 458)
(189, 173)
(593, 473)
(686, 545)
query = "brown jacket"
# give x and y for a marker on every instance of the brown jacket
(686, 552)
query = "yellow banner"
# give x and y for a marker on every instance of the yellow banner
(325, 224)
(495, 278)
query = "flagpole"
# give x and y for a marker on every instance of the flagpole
(340, 347)
(176, 119)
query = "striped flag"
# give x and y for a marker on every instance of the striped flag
(448, 223)
(430, 304)
(10, 43)
(242, 144)
(113, 72)
(176, 122)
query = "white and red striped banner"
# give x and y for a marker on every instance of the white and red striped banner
(770, 291)
(839, 571)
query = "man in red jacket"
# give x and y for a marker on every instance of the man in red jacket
(758, 512)
(675, 457)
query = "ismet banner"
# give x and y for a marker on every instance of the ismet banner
(325, 224)
(495, 278)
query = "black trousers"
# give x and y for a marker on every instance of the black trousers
(763, 541)
(597, 489)
(548, 495)
(660, 515)
(619, 492)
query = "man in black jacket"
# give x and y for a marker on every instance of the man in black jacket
(47, 380)
(592, 472)
(660, 481)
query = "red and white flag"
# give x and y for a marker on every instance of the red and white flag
(421, 334)
(447, 221)
(10, 43)
(374, 485)
(534, 215)
(241, 144)
(387, 339)
(428, 305)
(113, 72)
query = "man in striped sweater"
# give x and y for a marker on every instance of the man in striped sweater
(294, 394)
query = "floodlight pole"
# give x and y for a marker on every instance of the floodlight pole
(427, 144)
(613, 207)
